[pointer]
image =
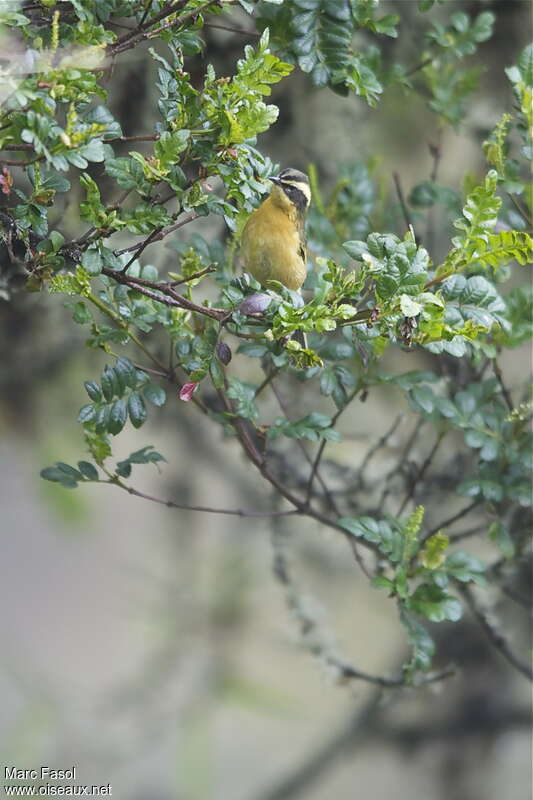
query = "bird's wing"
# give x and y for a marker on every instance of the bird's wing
(302, 249)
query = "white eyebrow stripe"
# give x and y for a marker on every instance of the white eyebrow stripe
(300, 185)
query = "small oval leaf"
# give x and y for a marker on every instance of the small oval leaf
(137, 409)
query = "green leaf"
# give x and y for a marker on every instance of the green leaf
(499, 533)
(118, 416)
(244, 394)
(88, 470)
(421, 642)
(432, 602)
(87, 414)
(136, 409)
(477, 487)
(62, 473)
(126, 371)
(93, 390)
(155, 394)
(109, 383)
(147, 455)
(465, 567)
(128, 173)
(91, 260)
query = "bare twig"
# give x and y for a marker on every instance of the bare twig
(449, 521)
(157, 235)
(401, 198)
(422, 471)
(234, 512)
(253, 34)
(505, 391)
(320, 451)
(164, 293)
(381, 442)
(493, 633)
(521, 210)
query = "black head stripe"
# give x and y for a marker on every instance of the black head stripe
(295, 195)
(293, 175)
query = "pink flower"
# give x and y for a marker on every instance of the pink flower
(6, 181)
(186, 391)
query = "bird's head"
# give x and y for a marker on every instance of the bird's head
(291, 190)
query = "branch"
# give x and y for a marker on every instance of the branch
(403, 204)
(141, 33)
(445, 523)
(164, 293)
(234, 512)
(382, 441)
(422, 471)
(157, 235)
(505, 391)
(304, 451)
(320, 452)
(260, 463)
(318, 645)
(254, 34)
(492, 632)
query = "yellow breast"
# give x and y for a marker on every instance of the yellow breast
(271, 246)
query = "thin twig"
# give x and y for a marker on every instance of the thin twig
(505, 391)
(447, 522)
(466, 534)
(401, 198)
(419, 66)
(381, 442)
(148, 137)
(301, 446)
(522, 211)
(192, 277)
(320, 452)
(403, 457)
(160, 234)
(492, 632)
(234, 512)
(422, 471)
(253, 34)
(163, 293)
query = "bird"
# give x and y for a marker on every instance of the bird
(273, 246)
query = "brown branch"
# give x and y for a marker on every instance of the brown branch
(164, 293)
(306, 455)
(193, 277)
(522, 211)
(466, 534)
(505, 391)
(422, 471)
(23, 164)
(447, 522)
(403, 457)
(254, 34)
(492, 632)
(260, 463)
(371, 452)
(234, 512)
(323, 443)
(16, 146)
(142, 32)
(419, 66)
(401, 198)
(141, 138)
(157, 235)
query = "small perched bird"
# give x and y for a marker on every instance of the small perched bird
(273, 239)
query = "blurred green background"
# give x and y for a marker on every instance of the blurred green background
(152, 648)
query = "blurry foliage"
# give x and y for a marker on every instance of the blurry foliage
(370, 289)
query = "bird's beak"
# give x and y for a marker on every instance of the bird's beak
(274, 179)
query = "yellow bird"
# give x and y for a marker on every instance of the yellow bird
(273, 239)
